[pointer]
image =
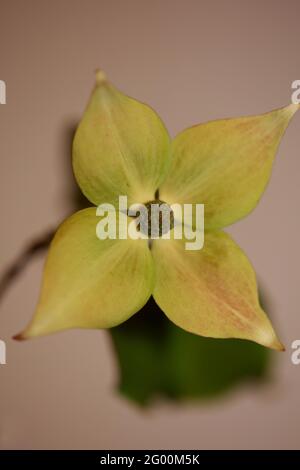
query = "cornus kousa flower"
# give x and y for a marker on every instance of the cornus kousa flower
(121, 147)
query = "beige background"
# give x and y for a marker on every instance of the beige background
(192, 61)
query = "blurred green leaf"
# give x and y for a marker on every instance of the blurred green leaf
(157, 359)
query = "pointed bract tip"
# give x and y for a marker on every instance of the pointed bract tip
(292, 108)
(277, 345)
(19, 337)
(281, 347)
(268, 338)
(100, 77)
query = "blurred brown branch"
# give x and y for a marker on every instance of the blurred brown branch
(34, 248)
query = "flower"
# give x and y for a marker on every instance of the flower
(122, 147)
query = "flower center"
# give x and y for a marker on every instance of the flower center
(156, 218)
